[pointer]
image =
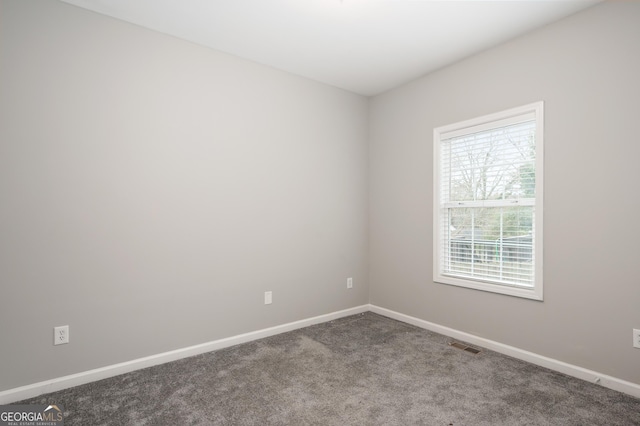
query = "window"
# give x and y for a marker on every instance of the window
(488, 202)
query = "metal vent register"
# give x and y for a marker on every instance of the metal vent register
(465, 347)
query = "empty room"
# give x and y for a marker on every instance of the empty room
(327, 212)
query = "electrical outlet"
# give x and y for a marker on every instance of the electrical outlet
(636, 338)
(61, 335)
(268, 297)
(349, 282)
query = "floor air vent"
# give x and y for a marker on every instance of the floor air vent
(465, 347)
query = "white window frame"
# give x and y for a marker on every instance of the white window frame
(472, 126)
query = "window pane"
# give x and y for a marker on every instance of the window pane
(494, 244)
(496, 164)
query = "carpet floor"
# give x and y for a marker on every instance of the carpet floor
(364, 369)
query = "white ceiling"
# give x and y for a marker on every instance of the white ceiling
(364, 46)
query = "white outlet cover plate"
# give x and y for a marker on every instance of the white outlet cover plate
(636, 338)
(61, 335)
(268, 297)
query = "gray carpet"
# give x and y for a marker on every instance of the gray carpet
(360, 370)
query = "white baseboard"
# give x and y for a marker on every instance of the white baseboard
(614, 383)
(33, 390)
(36, 389)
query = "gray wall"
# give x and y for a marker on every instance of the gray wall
(586, 69)
(151, 190)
